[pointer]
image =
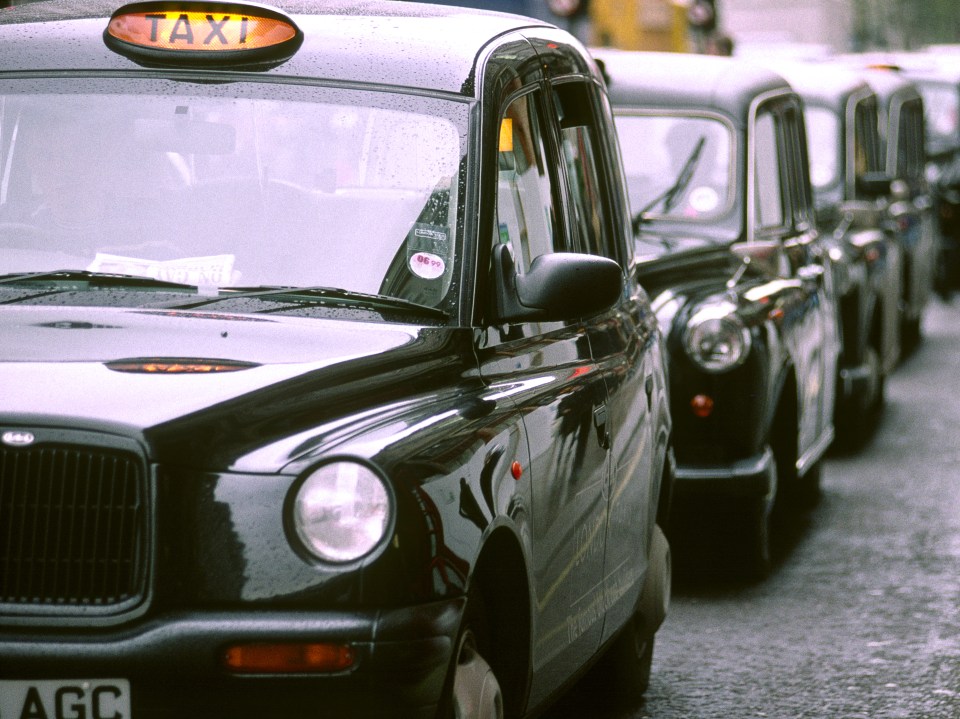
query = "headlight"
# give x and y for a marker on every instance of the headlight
(716, 339)
(341, 511)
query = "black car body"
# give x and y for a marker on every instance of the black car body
(910, 208)
(847, 175)
(937, 78)
(342, 399)
(738, 275)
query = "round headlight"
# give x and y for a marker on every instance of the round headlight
(716, 340)
(341, 511)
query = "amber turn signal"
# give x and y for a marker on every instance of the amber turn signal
(296, 658)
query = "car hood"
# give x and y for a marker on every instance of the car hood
(55, 370)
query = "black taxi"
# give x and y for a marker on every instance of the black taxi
(910, 208)
(936, 77)
(327, 385)
(848, 175)
(715, 154)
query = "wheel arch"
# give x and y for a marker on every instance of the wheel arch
(784, 427)
(500, 584)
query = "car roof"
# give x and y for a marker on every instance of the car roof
(885, 78)
(410, 44)
(685, 80)
(928, 64)
(889, 84)
(823, 84)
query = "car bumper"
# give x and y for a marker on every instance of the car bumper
(753, 477)
(175, 665)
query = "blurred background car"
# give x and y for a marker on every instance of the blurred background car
(849, 186)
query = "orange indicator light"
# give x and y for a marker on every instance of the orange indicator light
(506, 135)
(177, 366)
(516, 470)
(702, 406)
(199, 29)
(288, 658)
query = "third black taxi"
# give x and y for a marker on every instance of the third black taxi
(850, 187)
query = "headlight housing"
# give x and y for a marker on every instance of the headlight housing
(716, 339)
(342, 511)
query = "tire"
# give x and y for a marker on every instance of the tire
(757, 545)
(808, 492)
(911, 336)
(623, 673)
(475, 692)
(856, 419)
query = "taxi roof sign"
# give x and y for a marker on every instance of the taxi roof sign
(204, 33)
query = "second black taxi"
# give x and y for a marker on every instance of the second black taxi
(742, 283)
(328, 388)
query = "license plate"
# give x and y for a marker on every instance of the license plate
(65, 699)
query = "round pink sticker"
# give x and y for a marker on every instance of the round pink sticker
(426, 265)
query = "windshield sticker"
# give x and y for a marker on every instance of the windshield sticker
(427, 265)
(427, 246)
(211, 271)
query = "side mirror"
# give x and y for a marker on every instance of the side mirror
(874, 185)
(558, 286)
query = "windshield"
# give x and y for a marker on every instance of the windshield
(240, 184)
(941, 103)
(678, 167)
(825, 142)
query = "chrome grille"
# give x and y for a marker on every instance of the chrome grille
(72, 522)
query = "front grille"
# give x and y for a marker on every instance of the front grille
(72, 524)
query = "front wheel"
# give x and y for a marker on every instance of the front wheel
(623, 673)
(757, 551)
(856, 417)
(476, 692)
(632, 655)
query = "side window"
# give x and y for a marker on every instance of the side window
(801, 198)
(768, 204)
(866, 140)
(911, 120)
(581, 154)
(526, 211)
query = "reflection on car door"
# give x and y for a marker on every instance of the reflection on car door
(562, 396)
(806, 300)
(616, 337)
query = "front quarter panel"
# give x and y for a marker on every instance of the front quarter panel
(449, 468)
(743, 398)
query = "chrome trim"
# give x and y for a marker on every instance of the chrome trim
(816, 452)
(750, 467)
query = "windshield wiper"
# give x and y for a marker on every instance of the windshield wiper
(97, 279)
(318, 294)
(669, 196)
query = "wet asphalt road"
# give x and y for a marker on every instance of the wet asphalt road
(860, 619)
